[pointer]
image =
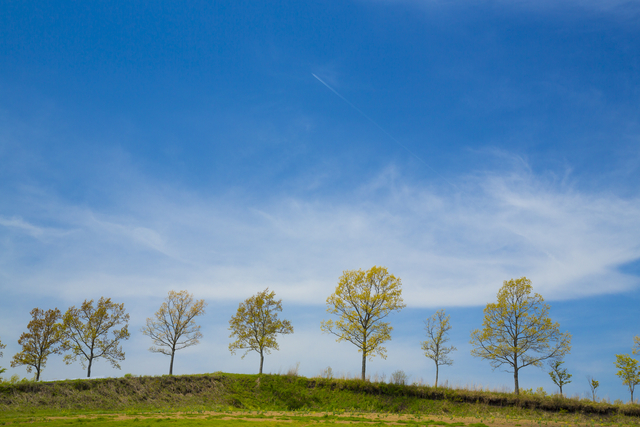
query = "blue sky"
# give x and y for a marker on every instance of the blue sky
(150, 146)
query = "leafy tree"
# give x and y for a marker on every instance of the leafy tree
(593, 386)
(517, 331)
(437, 328)
(2, 370)
(44, 338)
(363, 299)
(86, 332)
(636, 344)
(174, 326)
(629, 371)
(558, 374)
(256, 324)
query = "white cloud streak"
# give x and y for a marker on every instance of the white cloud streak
(621, 10)
(449, 249)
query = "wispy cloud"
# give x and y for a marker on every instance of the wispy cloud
(449, 248)
(20, 224)
(627, 10)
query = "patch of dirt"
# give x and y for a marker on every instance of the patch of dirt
(393, 419)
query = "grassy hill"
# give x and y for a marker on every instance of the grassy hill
(224, 392)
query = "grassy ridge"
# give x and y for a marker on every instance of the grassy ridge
(216, 392)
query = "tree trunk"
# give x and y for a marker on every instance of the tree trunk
(436, 375)
(261, 360)
(631, 396)
(173, 353)
(364, 354)
(38, 374)
(561, 391)
(515, 367)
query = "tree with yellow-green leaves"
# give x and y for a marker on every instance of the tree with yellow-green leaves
(629, 371)
(558, 374)
(636, 344)
(362, 300)
(174, 326)
(437, 328)
(1, 347)
(87, 331)
(517, 331)
(256, 324)
(44, 338)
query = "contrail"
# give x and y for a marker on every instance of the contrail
(383, 130)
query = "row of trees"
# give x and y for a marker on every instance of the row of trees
(516, 332)
(93, 332)
(82, 332)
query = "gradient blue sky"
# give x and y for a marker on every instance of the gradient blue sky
(149, 146)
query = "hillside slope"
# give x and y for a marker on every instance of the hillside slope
(214, 392)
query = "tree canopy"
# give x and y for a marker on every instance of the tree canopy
(86, 332)
(1, 347)
(362, 300)
(629, 372)
(44, 338)
(174, 327)
(558, 374)
(517, 331)
(256, 324)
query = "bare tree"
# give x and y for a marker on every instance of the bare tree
(437, 328)
(173, 327)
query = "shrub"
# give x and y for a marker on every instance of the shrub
(399, 377)
(327, 373)
(293, 371)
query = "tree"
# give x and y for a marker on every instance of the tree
(434, 347)
(636, 344)
(593, 386)
(362, 300)
(2, 370)
(629, 371)
(517, 331)
(558, 374)
(256, 324)
(174, 326)
(86, 332)
(44, 338)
